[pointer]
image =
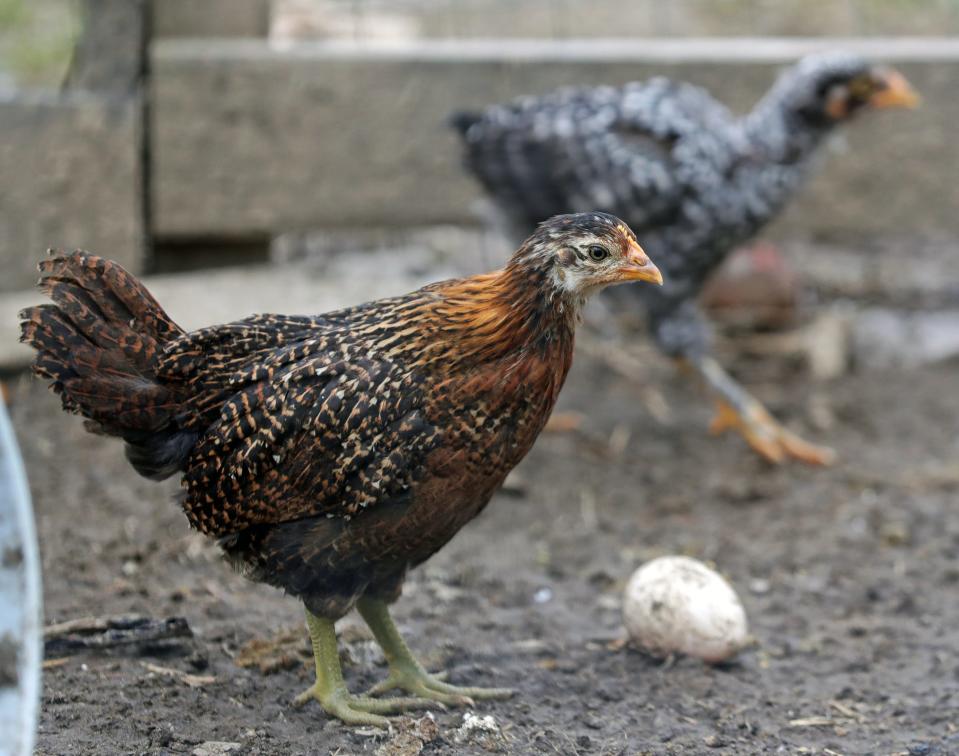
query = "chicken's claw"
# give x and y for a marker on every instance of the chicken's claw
(358, 710)
(406, 673)
(766, 436)
(420, 683)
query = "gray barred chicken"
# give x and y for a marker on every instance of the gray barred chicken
(330, 454)
(691, 179)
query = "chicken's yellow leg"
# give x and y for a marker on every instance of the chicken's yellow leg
(406, 673)
(330, 688)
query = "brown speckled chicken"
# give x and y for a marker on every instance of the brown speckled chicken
(331, 454)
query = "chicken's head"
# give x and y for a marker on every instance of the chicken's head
(585, 252)
(831, 87)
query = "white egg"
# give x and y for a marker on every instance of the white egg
(675, 604)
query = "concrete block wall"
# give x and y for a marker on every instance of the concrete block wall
(645, 18)
(600, 19)
(71, 161)
(71, 178)
(248, 138)
(210, 18)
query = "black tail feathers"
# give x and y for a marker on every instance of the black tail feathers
(98, 343)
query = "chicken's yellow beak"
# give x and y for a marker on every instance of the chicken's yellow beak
(896, 91)
(638, 267)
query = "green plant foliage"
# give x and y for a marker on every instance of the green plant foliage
(36, 40)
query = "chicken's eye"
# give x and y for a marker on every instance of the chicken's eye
(861, 88)
(597, 253)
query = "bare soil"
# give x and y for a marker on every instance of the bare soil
(849, 575)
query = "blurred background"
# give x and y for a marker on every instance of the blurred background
(294, 156)
(176, 135)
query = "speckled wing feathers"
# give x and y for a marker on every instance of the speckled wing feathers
(300, 420)
(271, 419)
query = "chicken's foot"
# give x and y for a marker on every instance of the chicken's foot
(330, 688)
(406, 673)
(739, 411)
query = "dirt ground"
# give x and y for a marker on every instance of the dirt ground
(849, 576)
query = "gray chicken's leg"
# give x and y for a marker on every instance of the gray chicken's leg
(739, 411)
(680, 330)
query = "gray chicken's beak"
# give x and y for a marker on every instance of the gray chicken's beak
(896, 91)
(638, 267)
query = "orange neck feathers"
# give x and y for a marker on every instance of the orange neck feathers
(514, 310)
